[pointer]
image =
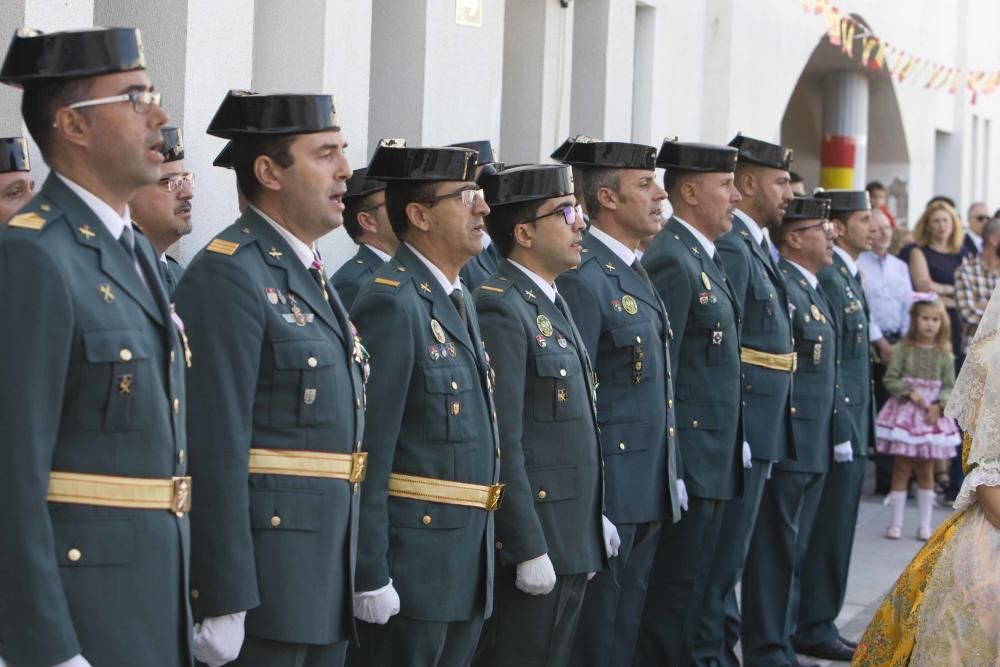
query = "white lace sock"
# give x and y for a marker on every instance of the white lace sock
(898, 501)
(925, 504)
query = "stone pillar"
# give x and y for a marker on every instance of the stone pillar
(844, 154)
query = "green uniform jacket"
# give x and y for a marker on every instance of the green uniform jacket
(91, 381)
(479, 268)
(432, 416)
(172, 273)
(630, 352)
(706, 314)
(356, 272)
(754, 279)
(281, 546)
(854, 412)
(549, 442)
(815, 381)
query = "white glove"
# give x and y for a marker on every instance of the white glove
(611, 539)
(536, 576)
(76, 661)
(377, 606)
(747, 456)
(218, 640)
(843, 453)
(682, 494)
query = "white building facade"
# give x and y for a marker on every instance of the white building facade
(528, 73)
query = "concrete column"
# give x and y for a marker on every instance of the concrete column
(844, 155)
(604, 61)
(537, 76)
(11, 18)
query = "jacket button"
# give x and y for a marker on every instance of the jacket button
(426, 520)
(125, 354)
(275, 520)
(749, 387)
(621, 446)
(847, 399)
(542, 494)
(180, 456)
(312, 362)
(172, 356)
(74, 555)
(819, 338)
(638, 339)
(694, 424)
(670, 431)
(177, 405)
(562, 372)
(195, 594)
(454, 385)
(499, 544)
(793, 410)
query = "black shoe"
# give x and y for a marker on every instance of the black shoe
(847, 642)
(831, 650)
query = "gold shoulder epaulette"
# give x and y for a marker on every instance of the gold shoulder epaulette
(27, 221)
(387, 281)
(222, 247)
(491, 289)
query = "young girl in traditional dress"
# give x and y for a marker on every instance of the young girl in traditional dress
(911, 426)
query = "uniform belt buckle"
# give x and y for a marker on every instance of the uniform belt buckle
(359, 467)
(494, 497)
(180, 499)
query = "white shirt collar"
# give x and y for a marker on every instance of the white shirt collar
(549, 290)
(438, 274)
(616, 246)
(486, 240)
(114, 223)
(702, 239)
(755, 230)
(381, 255)
(301, 250)
(852, 266)
(806, 273)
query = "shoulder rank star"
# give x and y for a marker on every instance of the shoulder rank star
(609, 266)
(106, 292)
(695, 250)
(424, 287)
(528, 293)
(275, 253)
(86, 232)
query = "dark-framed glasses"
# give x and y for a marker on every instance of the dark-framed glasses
(175, 182)
(142, 101)
(468, 195)
(824, 225)
(569, 212)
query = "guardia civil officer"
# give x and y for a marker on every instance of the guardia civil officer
(824, 574)
(483, 265)
(92, 453)
(767, 362)
(225, 160)
(162, 211)
(550, 536)
(367, 223)
(791, 496)
(277, 398)
(687, 271)
(16, 185)
(425, 550)
(626, 332)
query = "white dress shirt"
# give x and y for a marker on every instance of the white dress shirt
(298, 246)
(889, 292)
(707, 244)
(616, 246)
(438, 274)
(548, 289)
(378, 253)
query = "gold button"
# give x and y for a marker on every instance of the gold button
(125, 354)
(454, 385)
(180, 456)
(499, 544)
(275, 520)
(638, 339)
(621, 446)
(177, 405)
(793, 410)
(562, 372)
(312, 362)
(195, 594)
(670, 403)
(542, 494)
(670, 431)
(172, 356)
(74, 555)
(694, 424)
(426, 520)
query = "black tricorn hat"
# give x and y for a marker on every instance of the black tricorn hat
(14, 154)
(173, 144)
(846, 201)
(358, 185)
(246, 113)
(71, 54)
(225, 157)
(404, 163)
(610, 154)
(560, 152)
(696, 157)
(526, 183)
(761, 152)
(485, 147)
(806, 208)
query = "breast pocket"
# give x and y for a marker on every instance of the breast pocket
(633, 343)
(764, 294)
(449, 392)
(813, 342)
(118, 376)
(305, 387)
(709, 322)
(558, 387)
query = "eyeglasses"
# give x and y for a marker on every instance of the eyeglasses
(825, 225)
(468, 195)
(980, 218)
(142, 101)
(175, 182)
(569, 214)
